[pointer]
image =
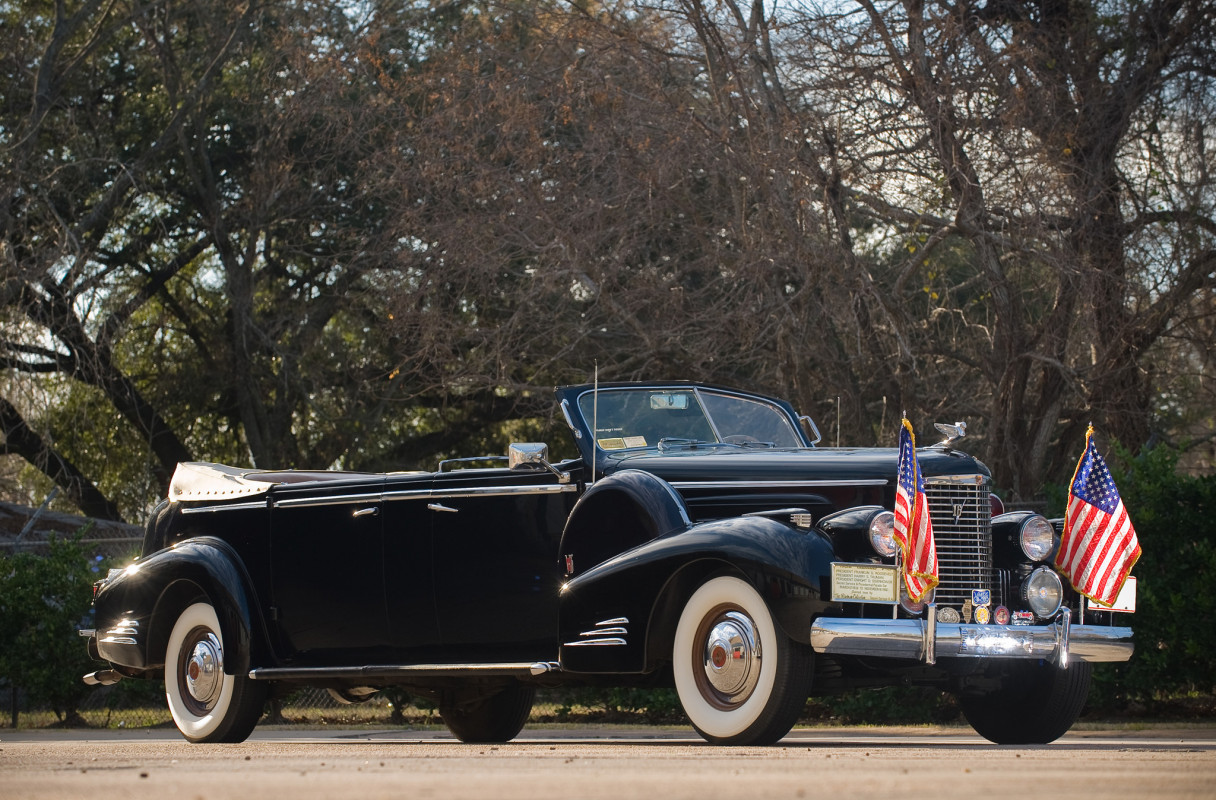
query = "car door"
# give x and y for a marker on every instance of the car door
(495, 535)
(409, 581)
(327, 556)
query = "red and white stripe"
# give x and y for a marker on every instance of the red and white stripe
(913, 527)
(1098, 549)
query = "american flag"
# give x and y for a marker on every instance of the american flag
(1099, 546)
(913, 528)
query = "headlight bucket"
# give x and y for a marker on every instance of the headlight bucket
(860, 533)
(1037, 538)
(882, 534)
(1043, 592)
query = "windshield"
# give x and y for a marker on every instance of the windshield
(629, 418)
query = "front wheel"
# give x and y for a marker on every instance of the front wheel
(1033, 702)
(207, 704)
(488, 718)
(740, 679)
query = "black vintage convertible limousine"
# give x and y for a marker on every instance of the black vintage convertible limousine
(701, 541)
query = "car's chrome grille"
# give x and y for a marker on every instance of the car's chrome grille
(962, 519)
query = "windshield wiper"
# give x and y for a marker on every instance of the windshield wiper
(668, 442)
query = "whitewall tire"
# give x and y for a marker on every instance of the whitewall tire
(740, 679)
(207, 704)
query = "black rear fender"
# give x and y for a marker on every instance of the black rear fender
(154, 591)
(160, 522)
(618, 513)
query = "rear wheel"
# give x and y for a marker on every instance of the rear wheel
(207, 704)
(1035, 703)
(494, 717)
(740, 679)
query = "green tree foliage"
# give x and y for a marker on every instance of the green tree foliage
(366, 235)
(43, 600)
(1176, 599)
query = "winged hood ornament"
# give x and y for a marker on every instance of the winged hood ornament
(952, 432)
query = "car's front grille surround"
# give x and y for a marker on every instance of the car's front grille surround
(962, 516)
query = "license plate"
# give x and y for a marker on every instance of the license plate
(1126, 601)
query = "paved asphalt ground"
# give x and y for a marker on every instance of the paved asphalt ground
(656, 764)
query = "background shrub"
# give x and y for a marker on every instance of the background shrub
(43, 600)
(1175, 520)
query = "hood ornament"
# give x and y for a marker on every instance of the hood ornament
(952, 432)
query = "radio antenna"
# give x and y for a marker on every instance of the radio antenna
(595, 419)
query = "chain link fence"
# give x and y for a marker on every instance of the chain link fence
(141, 704)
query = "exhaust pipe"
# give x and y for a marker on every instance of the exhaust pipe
(102, 677)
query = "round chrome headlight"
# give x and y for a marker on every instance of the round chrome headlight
(882, 533)
(1043, 592)
(1037, 538)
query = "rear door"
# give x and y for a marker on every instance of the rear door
(495, 536)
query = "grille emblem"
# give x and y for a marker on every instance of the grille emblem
(958, 512)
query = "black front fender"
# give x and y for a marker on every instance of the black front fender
(136, 610)
(620, 615)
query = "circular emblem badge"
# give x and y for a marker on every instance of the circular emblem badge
(1001, 615)
(981, 615)
(948, 615)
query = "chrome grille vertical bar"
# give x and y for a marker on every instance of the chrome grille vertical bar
(962, 521)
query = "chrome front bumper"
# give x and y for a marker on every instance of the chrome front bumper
(928, 640)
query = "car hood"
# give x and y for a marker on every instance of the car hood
(720, 464)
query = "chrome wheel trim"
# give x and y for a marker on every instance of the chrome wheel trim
(203, 672)
(730, 660)
(717, 716)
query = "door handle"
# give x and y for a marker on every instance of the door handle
(373, 511)
(439, 507)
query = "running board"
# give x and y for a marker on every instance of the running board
(401, 671)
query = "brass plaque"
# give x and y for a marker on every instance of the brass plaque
(865, 583)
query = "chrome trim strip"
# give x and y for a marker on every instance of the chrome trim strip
(906, 638)
(476, 491)
(569, 420)
(618, 631)
(613, 642)
(401, 494)
(118, 640)
(328, 500)
(974, 479)
(391, 671)
(491, 491)
(777, 484)
(226, 507)
(613, 621)
(406, 494)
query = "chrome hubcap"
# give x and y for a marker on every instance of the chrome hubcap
(204, 671)
(731, 658)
